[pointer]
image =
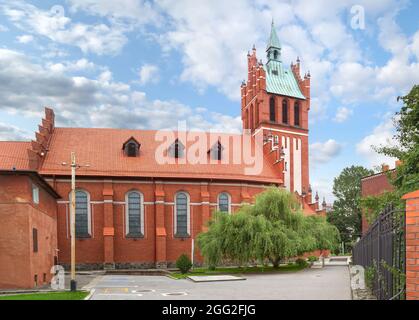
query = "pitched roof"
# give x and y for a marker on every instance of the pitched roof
(101, 149)
(281, 81)
(14, 154)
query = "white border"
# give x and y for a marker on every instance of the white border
(141, 211)
(188, 213)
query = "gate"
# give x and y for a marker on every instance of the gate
(382, 252)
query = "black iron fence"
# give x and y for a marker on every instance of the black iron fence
(381, 251)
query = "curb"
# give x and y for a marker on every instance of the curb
(89, 296)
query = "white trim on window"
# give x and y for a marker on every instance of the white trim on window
(229, 201)
(188, 213)
(89, 210)
(35, 193)
(127, 211)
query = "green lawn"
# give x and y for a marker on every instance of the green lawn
(65, 295)
(236, 270)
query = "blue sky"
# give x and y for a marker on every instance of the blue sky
(143, 64)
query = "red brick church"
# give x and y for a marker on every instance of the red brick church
(132, 211)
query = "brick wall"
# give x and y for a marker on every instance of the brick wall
(19, 215)
(412, 245)
(373, 186)
(159, 246)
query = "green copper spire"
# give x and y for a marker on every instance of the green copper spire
(274, 46)
(279, 80)
(273, 39)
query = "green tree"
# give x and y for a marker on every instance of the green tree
(406, 177)
(346, 214)
(272, 229)
(407, 148)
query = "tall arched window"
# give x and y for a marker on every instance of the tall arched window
(251, 117)
(285, 111)
(297, 113)
(82, 214)
(182, 215)
(272, 115)
(134, 214)
(224, 203)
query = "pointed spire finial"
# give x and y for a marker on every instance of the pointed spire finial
(273, 39)
(317, 197)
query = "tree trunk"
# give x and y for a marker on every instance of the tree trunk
(275, 262)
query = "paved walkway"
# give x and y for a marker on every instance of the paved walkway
(330, 283)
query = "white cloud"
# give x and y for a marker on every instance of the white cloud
(71, 66)
(98, 102)
(135, 11)
(382, 135)
(149, 73)
(24, 38)
(3, 28)
(323, 152)
(97, 38)
(12, 133)
(342, 114)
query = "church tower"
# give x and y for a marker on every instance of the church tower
(276, 100)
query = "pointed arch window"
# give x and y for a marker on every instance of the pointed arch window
(224, 202)
(272, 111)
(134, 214)
(182, 215)
(83, 229)
(177, 149)
(216, 152)
(297, 113)
(131, 147)
(285, 111)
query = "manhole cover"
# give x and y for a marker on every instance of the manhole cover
(174, 294)
(143, 291)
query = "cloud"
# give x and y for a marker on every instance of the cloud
(25, 38)
(99, 101)
(382, 135)
(3, 28)
(323, 152)
(11, 133)
(342, 114)
(72, 66)
(149, 73)
(98, 38)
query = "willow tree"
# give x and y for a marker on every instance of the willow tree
(273, 229)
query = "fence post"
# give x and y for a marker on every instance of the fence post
(379, 256)
(412, 245)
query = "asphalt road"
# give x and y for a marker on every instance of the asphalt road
(329, 283)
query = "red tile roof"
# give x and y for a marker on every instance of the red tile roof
(13, 154)
(102, 150)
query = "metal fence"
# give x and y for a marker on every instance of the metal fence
(382, 252)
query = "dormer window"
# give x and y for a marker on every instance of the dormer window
(216, 151)
(131, 147)
(176, 150)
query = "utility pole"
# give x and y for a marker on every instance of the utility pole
(73, 166)
(73, 283)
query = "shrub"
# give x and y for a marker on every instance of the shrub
(370, 273)
(184, 264)
(313, 259)
(301, 262)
